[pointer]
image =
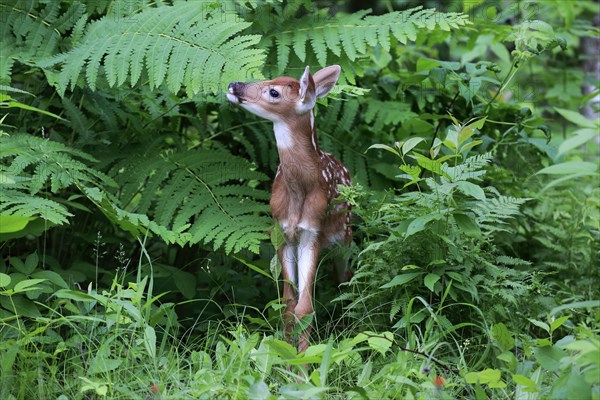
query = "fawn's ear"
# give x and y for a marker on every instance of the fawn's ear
(326, 79)
(306, 98)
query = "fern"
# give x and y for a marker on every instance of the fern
(204, 195)
(19, 203)
(43, 163)
(179, 46)
(349, 36)
(31, 165)
(31, 30)
(195, 196)
(385, 113)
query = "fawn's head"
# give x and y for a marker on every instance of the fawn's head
(284, 98)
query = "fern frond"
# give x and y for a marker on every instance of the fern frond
(177, 46)
(15, 202)
(32, 30)
(472, 168)
(348, 36)
(382, 113)
(48, 162)
(204, 195)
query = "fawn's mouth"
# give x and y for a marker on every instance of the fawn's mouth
(234, 99)
(232, 96)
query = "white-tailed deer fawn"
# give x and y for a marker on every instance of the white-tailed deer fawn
(305, 184)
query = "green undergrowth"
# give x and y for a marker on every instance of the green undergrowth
(123, 342)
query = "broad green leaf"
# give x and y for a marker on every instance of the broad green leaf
(425, 64)
(486, 376)
(577, 118)
(4, 280)
(467, 225)
(434, 166)
(410, 144)
(572, 385)
(27, 284)
(478, 124)
(283, 349)
(102, 364)
(186, 283)
(575, 305)
(570, 167)
(401, 279)
(503, 337)
(384, 147)
(20, 305)
(150, 341)
(430, 280)
(558, 322)
(528, 384)
(31, 263)
(549, 357)
(540, 324)
(381, 342)
(259, 391)
(13, 223)
(578, 138)
(51, 276)
(471, 189)
(419, 223)
(470, 145)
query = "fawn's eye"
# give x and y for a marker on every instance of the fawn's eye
(274, 93)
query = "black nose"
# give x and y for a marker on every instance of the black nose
(232, 86)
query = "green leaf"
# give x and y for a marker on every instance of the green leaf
(503, 337)
(471, 189)
(572, 385)
(283, 349)
(410, 144)
(4, 280)
(381, 342)
(384, 147)
(430, 280)
(418, 224)
(467, 225)
(73, 295)
(487, 376)
(13, 223)
(576, 305)
(31, 263)
(577, 118)
(478, 124)
(186, 283)
(425, 64)
(578, 138)
(540, 324)
(401, 279)
(259, 391)
(549, 357)
(51, 276)
(27, 285)
(16, 104)
(558, 322)
(570, 167)
(150, 341)
(528, 385)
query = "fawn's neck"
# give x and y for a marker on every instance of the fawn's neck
(297, 139)
(297, 145)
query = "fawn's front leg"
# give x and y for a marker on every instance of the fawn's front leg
(287, 259)
(308, 257)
